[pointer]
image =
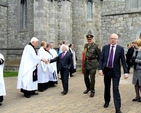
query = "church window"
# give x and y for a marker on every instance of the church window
(135, 4)
(23, 14)
(89, 9)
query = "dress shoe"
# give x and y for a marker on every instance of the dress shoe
(0, 103)
(139, 99)
(63, 92)
(27, 96)
(86, 91)
(35, 93)
(92, 94)
(106, 104)
(135, 99)
(118, 111)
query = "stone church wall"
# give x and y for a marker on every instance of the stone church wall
(58, 20)
(82, 25)
(118, 18)
(17, 38)
(3, 24)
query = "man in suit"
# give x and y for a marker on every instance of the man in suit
(64, 65)
(109, 66)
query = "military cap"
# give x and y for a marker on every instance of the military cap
(89, 36)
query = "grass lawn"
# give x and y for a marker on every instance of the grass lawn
(10, 74)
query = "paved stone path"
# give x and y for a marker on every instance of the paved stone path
(51, 100)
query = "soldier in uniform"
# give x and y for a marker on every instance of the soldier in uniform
(92, 53)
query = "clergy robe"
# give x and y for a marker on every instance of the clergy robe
(51, 70)
(2, 84)
(43, 74)
(28, 64)
(54, 54)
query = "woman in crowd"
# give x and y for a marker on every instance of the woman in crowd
(136, 60)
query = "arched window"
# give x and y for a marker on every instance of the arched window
(23, 14)
(89, 9)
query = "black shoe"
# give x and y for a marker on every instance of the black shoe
(135, 99)
(0, 103)
(106, 104)
(86, 91)
(63, 92)
(35, 93)
(118, 111)
(27, 96)
(92, 94)
(139, 99)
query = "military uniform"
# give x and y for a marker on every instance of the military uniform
(92, 53)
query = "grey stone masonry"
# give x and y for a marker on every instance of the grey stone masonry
(41, 20)
(3, 26)
(82, 25)
(117, 18)
(69, 20)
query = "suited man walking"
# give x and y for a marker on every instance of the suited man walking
(109, 66)
(64, 65)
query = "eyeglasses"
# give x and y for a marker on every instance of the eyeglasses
(113, 38)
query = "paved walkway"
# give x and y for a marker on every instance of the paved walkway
(51, 100)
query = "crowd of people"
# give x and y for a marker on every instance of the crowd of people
(39, 70)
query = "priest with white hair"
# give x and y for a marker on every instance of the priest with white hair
(27, 75)
(2, 84)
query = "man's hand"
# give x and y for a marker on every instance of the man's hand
(125, 76)
(101, 72)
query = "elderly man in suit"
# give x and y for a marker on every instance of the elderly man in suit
(109, 66)
(64, 65)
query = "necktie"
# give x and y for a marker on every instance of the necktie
(110, 62)
(63, 54)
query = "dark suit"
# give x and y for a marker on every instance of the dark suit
(64, 64)
(129, 55)
(112, 73)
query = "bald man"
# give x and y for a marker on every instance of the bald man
(109, 66)
(27, 75)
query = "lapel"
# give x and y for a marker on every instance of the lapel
(116, 52)
(66, 54)
(107, 51)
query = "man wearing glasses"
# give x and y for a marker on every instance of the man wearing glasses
(92, 53)
(112, 56)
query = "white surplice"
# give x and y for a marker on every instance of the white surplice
(2, 84)
(28, 64)
(43, 75)
(54, 54)
(51, 69)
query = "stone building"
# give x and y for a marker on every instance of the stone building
(70, 20)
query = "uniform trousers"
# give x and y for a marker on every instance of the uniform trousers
(89, 79)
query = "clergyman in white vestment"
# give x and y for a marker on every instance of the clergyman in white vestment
(27, 75)
(43, 76)
(54, 54)
(2, 84)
